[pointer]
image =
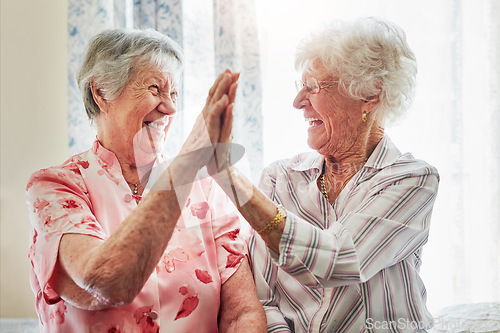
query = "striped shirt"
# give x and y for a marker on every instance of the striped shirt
(352, 266)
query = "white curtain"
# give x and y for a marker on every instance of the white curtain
(214, 34)
(453, 124)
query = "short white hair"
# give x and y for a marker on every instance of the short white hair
(114, 56)
(370, 57)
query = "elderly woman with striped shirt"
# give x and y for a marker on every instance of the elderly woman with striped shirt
(340, 231)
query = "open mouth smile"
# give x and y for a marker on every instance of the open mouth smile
(313, 121)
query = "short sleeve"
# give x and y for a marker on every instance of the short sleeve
(58, 204)
(227, 226)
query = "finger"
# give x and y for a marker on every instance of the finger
(232, 92)
(227, 125)
(223, 87)
(222, 147)
(236, 76)
(218, 108)
(212, 90)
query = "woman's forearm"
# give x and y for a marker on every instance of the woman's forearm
(240, 309)
(113, 272)
(254, 205)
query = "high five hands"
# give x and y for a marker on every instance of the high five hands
(209, 141)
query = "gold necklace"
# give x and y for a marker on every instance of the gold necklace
(135, 191)
(323, 186)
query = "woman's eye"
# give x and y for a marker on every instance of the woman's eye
(155, 89)
(174, 94)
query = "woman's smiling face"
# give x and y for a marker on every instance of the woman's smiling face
(334, 119)
(141, 116)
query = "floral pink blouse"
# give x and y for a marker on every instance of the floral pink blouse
(88, 195)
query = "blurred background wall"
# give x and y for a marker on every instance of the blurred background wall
(33, 95)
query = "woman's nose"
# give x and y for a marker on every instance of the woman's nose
(167, 106)
(300, 100)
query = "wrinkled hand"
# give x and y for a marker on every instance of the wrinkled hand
(222, 149)
(214, 122)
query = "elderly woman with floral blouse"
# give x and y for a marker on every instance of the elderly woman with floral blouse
(123, 241)
(339, 231)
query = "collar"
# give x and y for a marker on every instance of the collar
(385, 153)
(312, 161)
(107, 156)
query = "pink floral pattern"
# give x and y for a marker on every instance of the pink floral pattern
(181, 295)
(203, 276)
(200, 209)
(168, 260)
(145, 318)
(189, 304)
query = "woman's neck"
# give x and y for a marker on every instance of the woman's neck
(134, 174)
(341, 167)
(347, 160)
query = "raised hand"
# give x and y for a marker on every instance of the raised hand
(222, 149)
(214, 122)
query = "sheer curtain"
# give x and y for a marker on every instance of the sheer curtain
(453, 124)
(214, 35)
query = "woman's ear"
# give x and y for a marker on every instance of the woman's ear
(99, 99)
(370, 104)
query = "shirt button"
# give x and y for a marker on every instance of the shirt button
(128, 197)
(153, 315)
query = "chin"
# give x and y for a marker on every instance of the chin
(313, 143)
(146, 150)
(154, 148)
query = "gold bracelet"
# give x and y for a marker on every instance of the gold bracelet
(280, 216)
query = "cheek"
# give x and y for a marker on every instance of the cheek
(339, 115)
(143, 102)
(331, 117)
